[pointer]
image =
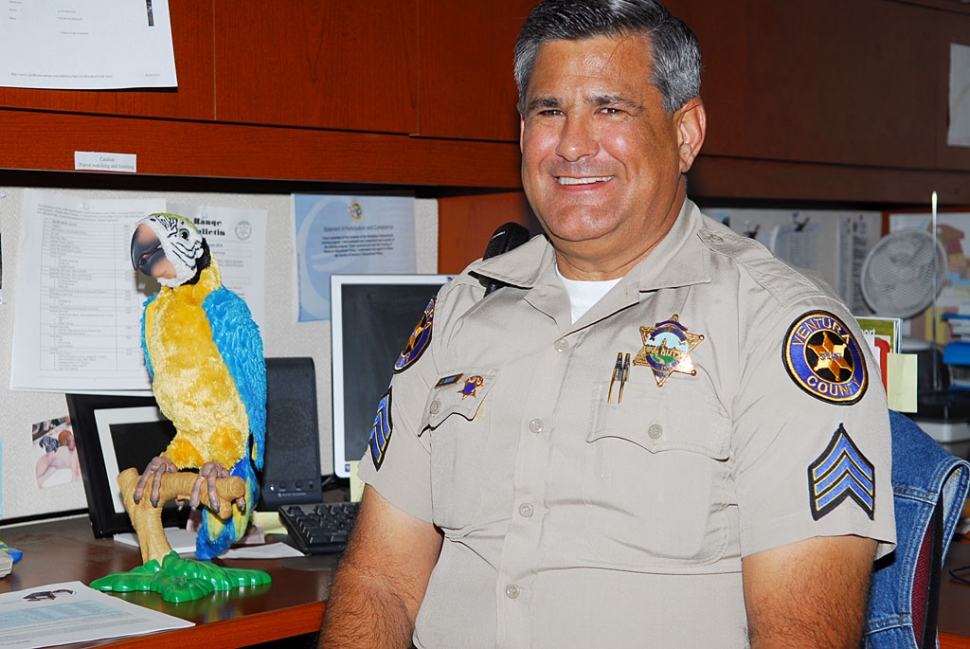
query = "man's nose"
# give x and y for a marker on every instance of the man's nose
(577, 138)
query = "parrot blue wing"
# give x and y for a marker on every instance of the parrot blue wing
(237, 338)
(144, 345)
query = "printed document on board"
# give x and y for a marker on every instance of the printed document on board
(65, 45)
(77, 320)
(348, 234)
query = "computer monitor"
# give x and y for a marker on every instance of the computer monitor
(371, 318)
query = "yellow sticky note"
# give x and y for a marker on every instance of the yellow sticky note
(901, 380)
(269, 522)
(356, 484)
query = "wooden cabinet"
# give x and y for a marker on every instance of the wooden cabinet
(827, 81)
(194, 99)
(828, 100)
(808, 100)
(466, 223)
(333, 64)
(465, 85)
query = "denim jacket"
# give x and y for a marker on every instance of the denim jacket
(923, 472)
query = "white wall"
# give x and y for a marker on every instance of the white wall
(282, 335)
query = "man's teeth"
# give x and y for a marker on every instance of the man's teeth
(566, 180)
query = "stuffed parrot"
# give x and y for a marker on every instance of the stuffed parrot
(205, 356)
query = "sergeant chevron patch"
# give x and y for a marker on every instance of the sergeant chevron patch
(841, 472)
(380, 432)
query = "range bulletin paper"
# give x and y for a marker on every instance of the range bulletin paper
(77, 316)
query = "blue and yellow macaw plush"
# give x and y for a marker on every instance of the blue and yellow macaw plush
(205, 356)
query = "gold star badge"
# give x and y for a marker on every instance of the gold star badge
(666, 349)
(831, 356)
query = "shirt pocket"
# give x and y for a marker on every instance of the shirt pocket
(656, 481)
(455, 420)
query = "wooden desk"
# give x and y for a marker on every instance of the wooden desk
(292, 605)
(954, 622)
(66, 550)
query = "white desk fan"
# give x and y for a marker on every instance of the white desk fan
(901, 276)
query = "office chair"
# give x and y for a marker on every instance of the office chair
(929, 488)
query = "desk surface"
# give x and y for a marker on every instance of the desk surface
(66, 550)
(292, 605)
(954, 623)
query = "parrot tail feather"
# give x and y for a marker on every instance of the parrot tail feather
(216, 535)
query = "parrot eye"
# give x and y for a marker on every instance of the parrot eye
(184, 233)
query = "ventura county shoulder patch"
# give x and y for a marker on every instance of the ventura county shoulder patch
(824, 359)
(419, 340)
(380, 432)
(841, 472)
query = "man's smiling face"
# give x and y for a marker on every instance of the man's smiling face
(602, 161)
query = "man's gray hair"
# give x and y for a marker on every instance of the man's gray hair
(676, 53)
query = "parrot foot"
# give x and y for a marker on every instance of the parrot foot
(147, 519)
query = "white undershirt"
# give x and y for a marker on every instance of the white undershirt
(584, 294)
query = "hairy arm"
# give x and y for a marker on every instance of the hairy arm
(381, 580)
(809, 594)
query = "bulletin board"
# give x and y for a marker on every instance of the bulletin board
(29, 417)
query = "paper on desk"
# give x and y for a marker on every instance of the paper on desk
(75, 614)
(268, 551)
(77, 322)
(181, 540)
(356, 484)
(87, 45)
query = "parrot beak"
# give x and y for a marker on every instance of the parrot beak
(147, 255)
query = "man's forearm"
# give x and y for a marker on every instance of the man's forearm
(361, 614)
(809, 594)
(379, 586)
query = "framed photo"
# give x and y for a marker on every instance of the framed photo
(113, 433)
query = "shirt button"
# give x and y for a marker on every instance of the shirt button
(535, 426)
(525, 509)
(435, 407)
(561, 345)
(655, 431)
(512, 591)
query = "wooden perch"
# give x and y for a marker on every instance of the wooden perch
(147, 518)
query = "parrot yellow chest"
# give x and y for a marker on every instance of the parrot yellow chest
(191, 383)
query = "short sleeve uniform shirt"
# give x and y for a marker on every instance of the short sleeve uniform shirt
(588, 506)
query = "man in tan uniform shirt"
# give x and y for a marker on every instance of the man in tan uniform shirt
(654, 435)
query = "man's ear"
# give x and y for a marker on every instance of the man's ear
(521, 131)
(691, 128)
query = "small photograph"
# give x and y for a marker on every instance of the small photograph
(57, 462)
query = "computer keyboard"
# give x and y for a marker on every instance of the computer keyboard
(319, 528)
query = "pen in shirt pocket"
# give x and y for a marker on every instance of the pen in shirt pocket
(624, 373)
(621, 370)
(617, 370)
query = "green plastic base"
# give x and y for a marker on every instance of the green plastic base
(181, 580)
